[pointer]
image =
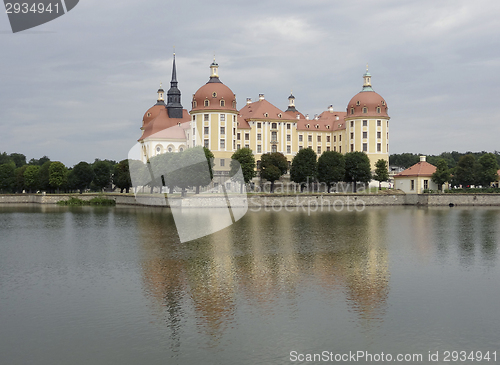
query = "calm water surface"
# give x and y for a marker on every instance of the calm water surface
(114, 285)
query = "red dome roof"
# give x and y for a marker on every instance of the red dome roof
(214, 92)
(369, 100)
(152, 113)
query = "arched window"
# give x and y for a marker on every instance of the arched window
(378, 109)
(222, 103)
(207, 103)
(365, 110)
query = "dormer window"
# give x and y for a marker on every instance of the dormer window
(327, 127)
(279, 115)
(352, 110)
(234, 104)
(358, 103)
(222, 103)
(266, 115)
(207, 103)
(214, 94)
(149, 114)
(383, 102)
(378, 109)
(365, 110)
(317, 126)
(308, 126)
(195, 104)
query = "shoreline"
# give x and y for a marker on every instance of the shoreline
(270, 200)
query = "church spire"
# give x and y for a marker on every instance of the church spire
(174, 106)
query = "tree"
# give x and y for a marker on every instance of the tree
(5, 158)
(7, 177)
(465, 173)
(57, 175)
(84, 174)
(102, 174)
(357, 168)
(404, 160)
(304, 167)
(38, 162)
(246, 161)
(31, 177)
(272, 167)
(201, 173)
(381, 172)
(44, 176)
(442, 173)
(121, 176)
(18, 158)
(19, 185)
(487, 169)
(331, 168)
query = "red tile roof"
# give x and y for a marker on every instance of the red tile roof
(327, 121)
(164, 122)
(422, 168)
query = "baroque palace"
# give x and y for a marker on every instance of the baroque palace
(216, 123)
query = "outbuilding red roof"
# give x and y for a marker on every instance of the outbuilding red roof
(422, 168)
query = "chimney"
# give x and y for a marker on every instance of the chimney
(307, 116)
(261, 97)
(330, 108)
(422, 158)
(316, 117)
(249, 101)
(298, 116)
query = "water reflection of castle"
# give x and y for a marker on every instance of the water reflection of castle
(264, 259)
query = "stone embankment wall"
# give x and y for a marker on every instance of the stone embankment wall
(275, 200)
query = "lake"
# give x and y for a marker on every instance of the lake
(85, 285)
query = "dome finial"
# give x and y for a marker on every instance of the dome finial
(367, 67)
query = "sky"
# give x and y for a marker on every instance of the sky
(76, 88)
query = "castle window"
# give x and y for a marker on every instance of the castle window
(340, 139)
(222, 144)
(238, 146)
(206, 117)
(238, 136)
(274, 126)
(379, 123)
(328, 148)
(195, 104)
(223, 117)
(214, 94)
(317, 126)
(288, 137)
(365, 147)
(247, 146)
(308, 126)
(206, 143)
(328, 127)
(205, 130)
(352, 110)
(378, 109)
(328, 139)
(194, 118)
(358, 103)
(247, 136)
(340, 149)
(365, 135)
(319, 150)
(352, 135)
(259, 125)
(319, 138)
(259, 148)
(379, 135)
(334, 138)
(259, 137)
(170, 149)
(266, 115)
(300, 147)
(365, 110)
(288, 149)
(222, 162)
(222, 130)
(181, 149)
(379, 147)
(274, 148)
(279, 115)
(274, 136)
(383, 102)
(288, 126)
(222, 103)
(310, 138)
(149, 114)
(300, 137)
(352, 123)
(365, 123)
(207, 103)
(352, 147)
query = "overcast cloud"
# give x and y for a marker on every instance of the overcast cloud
(76, 88)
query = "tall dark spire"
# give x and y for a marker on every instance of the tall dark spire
(174, 106)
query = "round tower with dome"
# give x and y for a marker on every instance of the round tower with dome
(367, 123)
(214, 117)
